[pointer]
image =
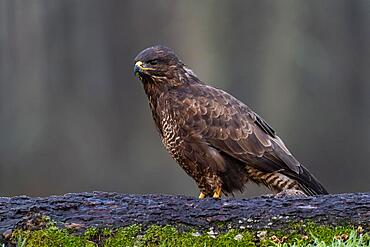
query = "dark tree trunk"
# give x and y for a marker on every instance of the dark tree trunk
(101, 209)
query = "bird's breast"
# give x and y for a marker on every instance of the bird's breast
(170, 132)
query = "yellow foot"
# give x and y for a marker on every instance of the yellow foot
(217, 193)
(202, 195)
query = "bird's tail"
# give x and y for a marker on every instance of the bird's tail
(309, 184)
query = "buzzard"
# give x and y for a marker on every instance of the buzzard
(219, 141)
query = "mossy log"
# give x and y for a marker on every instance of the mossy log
(113, 210)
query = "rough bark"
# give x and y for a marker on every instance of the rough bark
(101, 209)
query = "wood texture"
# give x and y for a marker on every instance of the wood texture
(102, 209)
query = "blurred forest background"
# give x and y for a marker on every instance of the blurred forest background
(74, 118)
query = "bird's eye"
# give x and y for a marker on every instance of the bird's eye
(153, 62)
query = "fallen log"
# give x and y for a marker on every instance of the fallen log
(113, 210)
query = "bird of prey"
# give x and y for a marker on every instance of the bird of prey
(218, 140)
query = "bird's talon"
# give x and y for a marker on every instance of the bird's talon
(217, 194)
(202, 195)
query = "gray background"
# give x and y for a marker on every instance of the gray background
(74, 118)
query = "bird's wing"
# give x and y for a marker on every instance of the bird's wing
(230, 127)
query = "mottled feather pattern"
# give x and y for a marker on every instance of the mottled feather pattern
(217, 139)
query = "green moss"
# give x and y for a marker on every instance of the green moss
(51, 236)
(307, 234)
(311, 234)
(170, 236)
(127, 236)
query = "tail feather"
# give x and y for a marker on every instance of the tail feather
(309, 184)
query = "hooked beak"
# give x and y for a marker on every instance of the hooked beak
(138, 69)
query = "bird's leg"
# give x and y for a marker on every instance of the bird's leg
(202, 195)
(217, 193)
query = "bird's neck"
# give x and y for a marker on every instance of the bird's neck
(155, 87)
(153, 91)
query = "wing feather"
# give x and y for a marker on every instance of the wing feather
(226, 124)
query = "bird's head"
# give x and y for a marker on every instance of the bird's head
(159, 64)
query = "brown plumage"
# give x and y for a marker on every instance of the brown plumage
(216, 139)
